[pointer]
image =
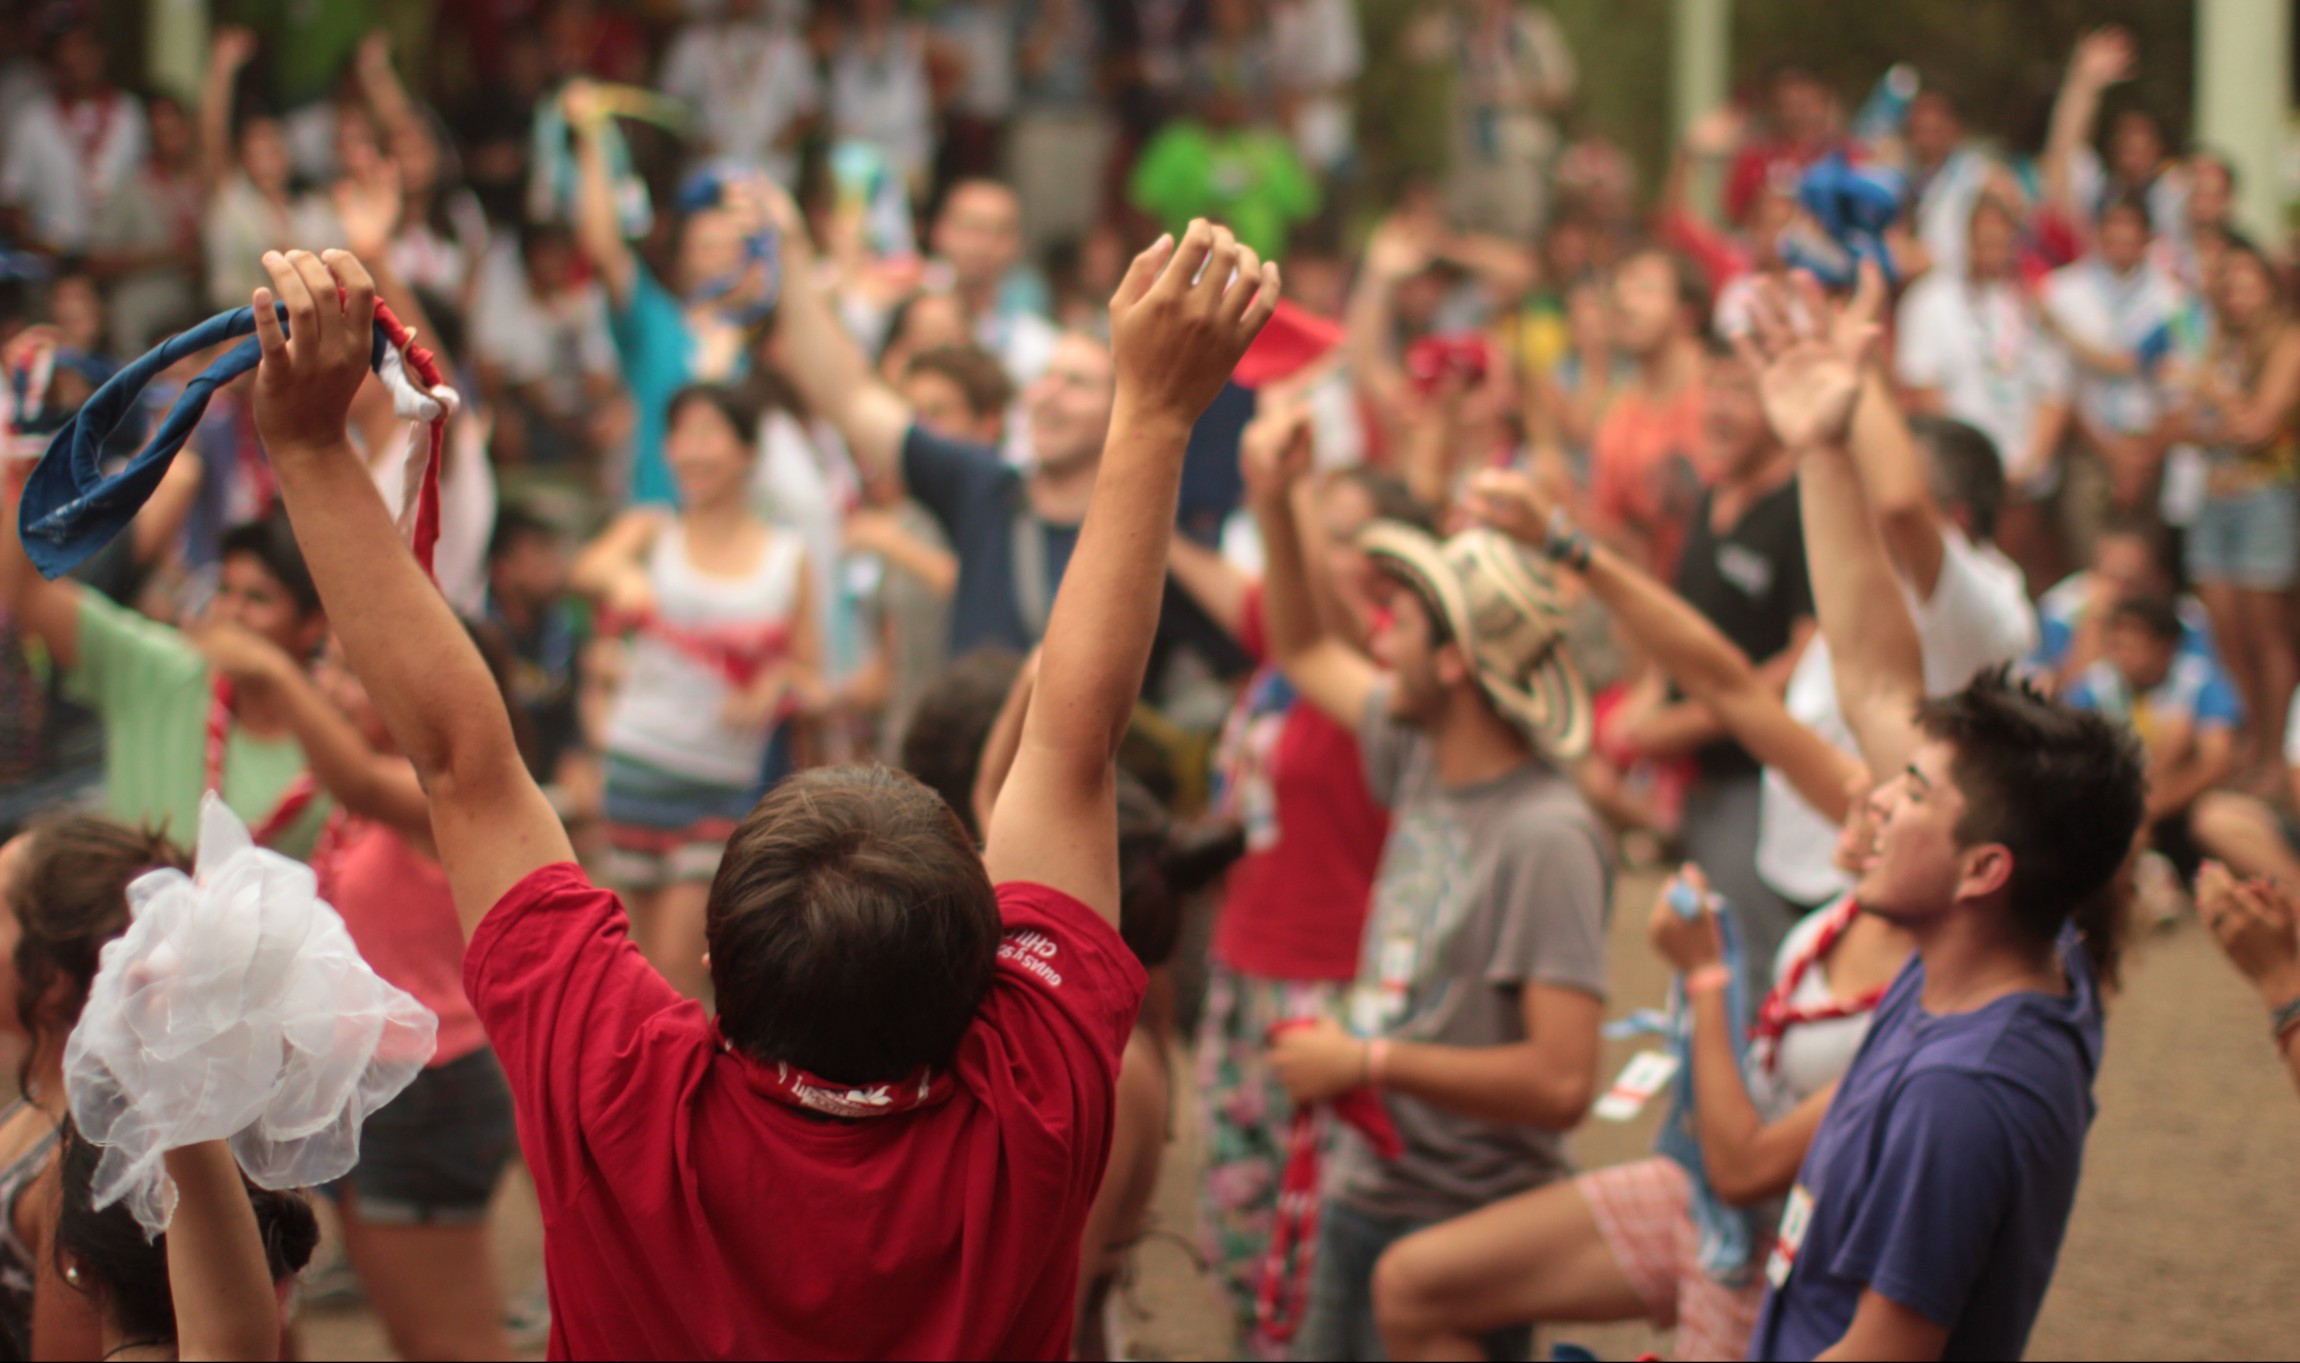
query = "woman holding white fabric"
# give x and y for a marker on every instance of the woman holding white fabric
(416, 1208)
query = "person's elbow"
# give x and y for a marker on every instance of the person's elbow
(1737, 1180)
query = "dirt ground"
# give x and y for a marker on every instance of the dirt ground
(2185, 1244)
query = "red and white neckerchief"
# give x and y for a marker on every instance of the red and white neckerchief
(24, 395)
(1775, 1016)
(1283, 1295)
(434, 403)
(794, 1087)
(739, 653)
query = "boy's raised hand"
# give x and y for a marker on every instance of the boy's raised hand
(312, 371)
(1180, 320)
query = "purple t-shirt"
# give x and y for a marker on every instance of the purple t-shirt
(1943, 1176)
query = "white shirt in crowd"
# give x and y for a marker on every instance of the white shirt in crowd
(748, 81)
(63, 165)
(882, 98)
(1978, 616)
(1319, 51)
(2105, 311)
(1984, 347)
(555, 342)
(1944, 212)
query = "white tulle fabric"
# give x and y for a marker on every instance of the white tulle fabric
(235, 1008)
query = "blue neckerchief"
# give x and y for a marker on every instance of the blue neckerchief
(707, 188)
(1727, 1234)
(71, 509)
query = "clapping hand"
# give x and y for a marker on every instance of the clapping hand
(1183, 317)
(2254, 923)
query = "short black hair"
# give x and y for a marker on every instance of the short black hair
(1690, 281)
(514, 525)
(852, 927)
(271, 542)
(1966, 471)
(2159, 615)
(744, 407)
(943, 745)
(2130, 201)
(2061, 789)
(1160, 865)
(979, 376)
(126, 1273)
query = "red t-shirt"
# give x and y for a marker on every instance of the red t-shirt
(688, 1215)
(1295, 907)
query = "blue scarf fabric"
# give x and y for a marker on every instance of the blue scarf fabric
(71, 508)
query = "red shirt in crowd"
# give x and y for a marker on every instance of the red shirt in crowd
(1295, 907)
(687, 1214)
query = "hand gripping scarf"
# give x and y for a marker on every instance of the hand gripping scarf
(72, 508)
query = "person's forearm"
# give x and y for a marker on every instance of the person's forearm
(1522, 1084)
(48, 611)
(598, 227)
(226, 1305)
(1725, 1119)
(1004, 740)
(1289, 611)
(215, 124)
(1433, 445)
(404, 642)
(365, 782)
(1098, 637)
(937, 568)
(1368, 324)
(1873, 646)
(833, 377)
(2073, 113)
(1677, 730)
(1683, 644)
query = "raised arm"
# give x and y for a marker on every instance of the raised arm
(1328, 672)
(598, 227)
(1175, 342)
(227, 54)
(1812, 385)
(1682, 643)
(218, 1272)
(2102, 58)
(367, 783)
(1900, 494)
(490, 821)
(823, 362)
(1393, 255)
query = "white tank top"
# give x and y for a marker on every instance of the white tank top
(667, 714)
(1811, 1055)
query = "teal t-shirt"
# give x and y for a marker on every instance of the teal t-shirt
(152, 688)
(658, 352)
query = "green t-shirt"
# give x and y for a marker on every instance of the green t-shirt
(151, 687)
(1251, 180)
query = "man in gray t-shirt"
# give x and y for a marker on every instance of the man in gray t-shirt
(1479, 992)
(1483, 890)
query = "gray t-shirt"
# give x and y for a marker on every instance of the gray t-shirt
(1482, 891)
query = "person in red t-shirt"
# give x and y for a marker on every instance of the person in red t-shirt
(1294, 909)
(886, 1142)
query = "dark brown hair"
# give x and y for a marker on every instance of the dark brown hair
(70, 894)
(2059, 788)
(976, 371)
(852, 927)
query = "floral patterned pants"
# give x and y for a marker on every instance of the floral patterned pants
(1243, 1115)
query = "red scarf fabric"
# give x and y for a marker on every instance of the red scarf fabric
(1775, 1016)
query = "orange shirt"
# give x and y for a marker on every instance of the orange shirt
(1649, 467)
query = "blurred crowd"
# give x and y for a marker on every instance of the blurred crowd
(782, 336)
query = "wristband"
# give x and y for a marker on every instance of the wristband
(1566, 544)
(1377, 1061)
(2284, 1019)
(1714, 975)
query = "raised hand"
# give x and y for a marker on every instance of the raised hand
(1511, 502)
(1686, 943)
(233, 47)
(581, 104)
(2103, 57)
(1274, 453)
(369, 207)
(1183, 316)
(1810, 377)
(311, 372)
(1397, 250)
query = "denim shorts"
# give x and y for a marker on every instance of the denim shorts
(2247, 539)
(433, 1155)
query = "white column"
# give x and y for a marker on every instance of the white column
(2242, 79)
(1701, 67)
